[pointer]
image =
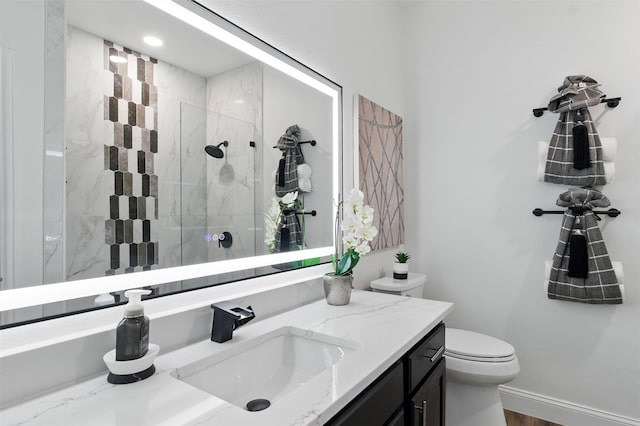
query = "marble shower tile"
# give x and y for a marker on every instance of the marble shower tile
(169, 248)
(54, 167)
(87, 256)
(225, 90)
(84, 97)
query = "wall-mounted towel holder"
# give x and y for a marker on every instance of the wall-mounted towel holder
(312, 212)
(577, 210)
(611, 103)
(311, 142)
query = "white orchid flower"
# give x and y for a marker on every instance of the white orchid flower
(363, 249)
(350, 223)
(366, 214)
(367, 233)
(354, 202)
(271, 223)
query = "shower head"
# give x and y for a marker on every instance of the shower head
(215, 151)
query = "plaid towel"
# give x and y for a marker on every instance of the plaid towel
(287, 176)
(601, 285)
(575, 95)
(289, 233)
(576, 92)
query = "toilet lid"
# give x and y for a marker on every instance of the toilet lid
(473, 346)
(389, 284)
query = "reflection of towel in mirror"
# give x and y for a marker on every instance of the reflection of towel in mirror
(600, 285)
(304, 177)
(289, 233)
(575, 152)
(287, 176)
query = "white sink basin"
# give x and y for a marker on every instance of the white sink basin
(266, 367)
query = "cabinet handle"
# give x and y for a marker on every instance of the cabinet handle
(438, 353)
(423, 409)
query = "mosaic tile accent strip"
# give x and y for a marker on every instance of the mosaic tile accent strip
(131, 106)
(381, 170)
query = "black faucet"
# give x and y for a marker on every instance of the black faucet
(228, 316)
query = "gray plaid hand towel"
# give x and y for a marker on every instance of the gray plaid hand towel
(577, 93)
(289, 233)
(601, 285)
(287, 176)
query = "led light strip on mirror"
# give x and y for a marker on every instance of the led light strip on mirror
(38, 295)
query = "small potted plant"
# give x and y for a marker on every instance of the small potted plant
(401, 265)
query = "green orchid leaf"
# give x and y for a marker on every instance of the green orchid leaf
(354, 260)
(344, 265)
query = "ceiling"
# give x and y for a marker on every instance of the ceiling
(126, 22)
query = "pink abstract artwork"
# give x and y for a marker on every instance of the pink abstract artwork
(381, 170)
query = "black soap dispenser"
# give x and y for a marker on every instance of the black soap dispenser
(132, 334)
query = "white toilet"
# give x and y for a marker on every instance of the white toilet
(476, 365)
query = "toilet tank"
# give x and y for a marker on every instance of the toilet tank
(413, 286)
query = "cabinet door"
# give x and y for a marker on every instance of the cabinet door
(425, 356)
(376, 404)
(397, 420)
(427, 406)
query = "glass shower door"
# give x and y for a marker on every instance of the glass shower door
(219, 201)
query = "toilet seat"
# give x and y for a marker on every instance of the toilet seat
(471, 346)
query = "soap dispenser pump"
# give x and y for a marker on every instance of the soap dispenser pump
(132, 359)
(132, 334)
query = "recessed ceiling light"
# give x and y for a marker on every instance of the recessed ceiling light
(117, 59)
(153, 41)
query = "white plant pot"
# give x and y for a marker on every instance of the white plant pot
(400, 271)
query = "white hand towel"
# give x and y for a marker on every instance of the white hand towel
(609, 148)
(617, 268)
(304, 184)
(304, 177)
(543, 148)
(609, 170)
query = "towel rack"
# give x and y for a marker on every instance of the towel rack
(312, 212)
(312, 142)
(610, 212)
(611, 103)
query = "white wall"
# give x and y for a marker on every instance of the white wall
(354, 43)
(476, 70)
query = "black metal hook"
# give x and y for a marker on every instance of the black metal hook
(611, 103)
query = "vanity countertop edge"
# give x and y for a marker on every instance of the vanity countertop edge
(385, 326)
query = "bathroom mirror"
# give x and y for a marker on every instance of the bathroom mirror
(139, 138)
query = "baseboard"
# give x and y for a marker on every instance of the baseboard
(559, 411)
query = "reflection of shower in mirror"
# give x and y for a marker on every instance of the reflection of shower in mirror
(215, 151)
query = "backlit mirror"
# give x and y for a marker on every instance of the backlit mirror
(153, 137)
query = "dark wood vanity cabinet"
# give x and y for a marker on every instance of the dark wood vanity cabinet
(410, 393)
(427, 403)
(426, 381)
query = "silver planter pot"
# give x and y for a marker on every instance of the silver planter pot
(337, 289)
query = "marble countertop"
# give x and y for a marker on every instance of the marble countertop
(385, 326)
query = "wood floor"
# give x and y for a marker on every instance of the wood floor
(517, 419)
